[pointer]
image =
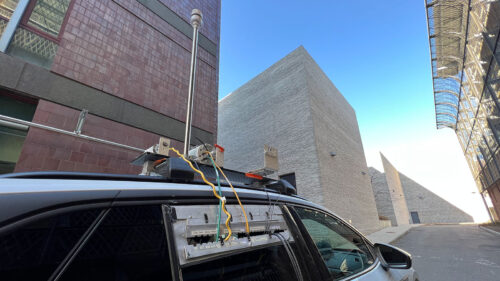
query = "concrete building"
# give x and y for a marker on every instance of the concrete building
(427, 207)
(404, 201)
(465, 59)
(294, 107)
(125, 61)
(389, 195)
(400, 209)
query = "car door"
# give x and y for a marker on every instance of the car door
(118, 243)
(345, 253)
(268, 252)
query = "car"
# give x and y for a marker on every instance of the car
(90, 226)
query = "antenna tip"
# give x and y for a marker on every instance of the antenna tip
(196, 17)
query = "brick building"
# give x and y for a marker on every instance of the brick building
(294, 107)
(125, 61)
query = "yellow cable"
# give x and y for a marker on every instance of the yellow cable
(213, 189)
(235, 194)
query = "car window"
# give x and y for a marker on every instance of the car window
(271, 263)
(32, 252)
(343, 251)
(130, 244)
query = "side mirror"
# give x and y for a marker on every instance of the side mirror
(392, 257)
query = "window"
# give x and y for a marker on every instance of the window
(12, 136)
(34, 251)
(39, 31)
(271, 263)
(47, 16)
(130, 244)
(414, 217)
(343, 251)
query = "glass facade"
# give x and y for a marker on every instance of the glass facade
(463, 38)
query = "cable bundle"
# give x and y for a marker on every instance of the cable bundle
(222, 200)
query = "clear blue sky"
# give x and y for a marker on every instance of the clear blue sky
(377, 54)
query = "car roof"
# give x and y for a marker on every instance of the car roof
(29, 193)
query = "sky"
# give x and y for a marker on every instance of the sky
(377, 55)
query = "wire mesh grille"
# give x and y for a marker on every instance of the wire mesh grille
(34, 44)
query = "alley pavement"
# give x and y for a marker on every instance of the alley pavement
(453, 252)
(390, 234)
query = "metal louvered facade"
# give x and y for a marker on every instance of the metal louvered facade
(465, 59)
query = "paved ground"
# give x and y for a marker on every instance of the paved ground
(453, 252)
(495, 227)
(389, 234)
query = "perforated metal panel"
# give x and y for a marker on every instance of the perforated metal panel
(195, 229)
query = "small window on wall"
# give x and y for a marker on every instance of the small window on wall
(47, 16)
(12, 135)
(37, 37)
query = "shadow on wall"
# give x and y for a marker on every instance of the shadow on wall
(428, 207)
(424, 206)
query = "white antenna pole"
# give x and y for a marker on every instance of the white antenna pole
(196, 20)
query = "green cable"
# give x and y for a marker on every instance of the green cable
(220, 194)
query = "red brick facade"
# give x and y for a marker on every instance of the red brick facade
(44, 150)
(122, 48)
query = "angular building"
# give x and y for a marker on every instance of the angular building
(427, 207)
(125, 61)
(389, 194)
(465, 58)
(294, 107)
(404, 201)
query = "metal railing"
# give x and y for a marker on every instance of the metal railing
(24, 125)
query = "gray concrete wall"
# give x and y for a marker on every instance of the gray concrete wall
(344, 177)
(294, 107)
(430, 207)
(401, 214)
(273, 109)
(382, 195)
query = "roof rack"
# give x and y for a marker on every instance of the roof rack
(178, 170)
(173, 170)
